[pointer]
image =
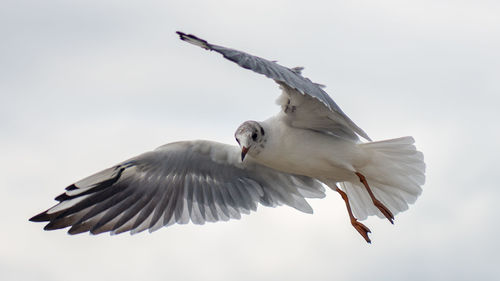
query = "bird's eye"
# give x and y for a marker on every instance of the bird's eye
(237, 140)
(254, 136)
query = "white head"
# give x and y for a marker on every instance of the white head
(251, 137)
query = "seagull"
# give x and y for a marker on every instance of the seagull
(309, 144)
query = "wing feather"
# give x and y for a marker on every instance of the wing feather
(317, 111)
(197, 181)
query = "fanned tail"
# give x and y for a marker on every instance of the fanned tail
(395, 174)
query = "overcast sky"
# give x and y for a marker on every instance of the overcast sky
(87, 84)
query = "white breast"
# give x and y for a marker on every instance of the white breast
(307, 152)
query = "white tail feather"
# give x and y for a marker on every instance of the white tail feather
(394, 174)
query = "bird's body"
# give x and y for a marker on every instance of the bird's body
(281, 160)
(306, 152)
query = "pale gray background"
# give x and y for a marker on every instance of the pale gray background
(87, 84)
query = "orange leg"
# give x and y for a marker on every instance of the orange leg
(388, 214)
(361, 228)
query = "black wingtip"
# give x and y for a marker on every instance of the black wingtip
(190, 38)
(40, 217)
(62, 197)
(71, 187)
(79, 228)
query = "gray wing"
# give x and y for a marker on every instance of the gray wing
(337, 122)
(198, 181)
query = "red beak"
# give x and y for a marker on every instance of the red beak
(244, 151)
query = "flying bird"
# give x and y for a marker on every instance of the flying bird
(310, 143)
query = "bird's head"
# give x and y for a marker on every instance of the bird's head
(251, 137)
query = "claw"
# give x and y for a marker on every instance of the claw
(388, 214)
(362, 229)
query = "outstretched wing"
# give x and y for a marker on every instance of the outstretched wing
(196, 181)
(336, 121)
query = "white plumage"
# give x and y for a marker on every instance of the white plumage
(282, 160)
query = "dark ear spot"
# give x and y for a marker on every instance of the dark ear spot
(262, 131)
